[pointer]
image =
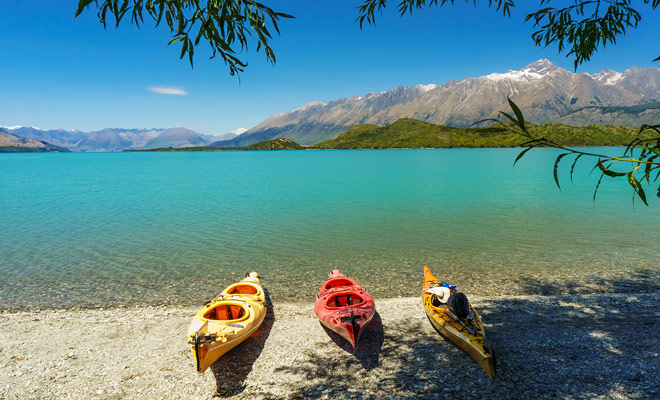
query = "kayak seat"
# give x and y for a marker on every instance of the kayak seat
(435, 302)
(243, 289)
(344, 300)
(226, 312)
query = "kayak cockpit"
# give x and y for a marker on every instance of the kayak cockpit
(242, 289)
(436, 303)
(227, 313)
(344, 300)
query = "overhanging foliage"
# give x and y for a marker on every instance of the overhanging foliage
(227, 25)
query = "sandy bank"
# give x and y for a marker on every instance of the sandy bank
(587, 346)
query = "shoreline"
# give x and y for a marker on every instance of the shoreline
(541, 279)
(567, 346)
(310, 147)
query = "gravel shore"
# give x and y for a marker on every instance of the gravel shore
(569, 347)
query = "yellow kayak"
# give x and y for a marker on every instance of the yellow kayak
(227, 320)
(459, 324)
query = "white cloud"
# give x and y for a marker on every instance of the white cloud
(176, 91)
(239, 131)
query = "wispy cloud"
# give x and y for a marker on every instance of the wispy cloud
(176, 91)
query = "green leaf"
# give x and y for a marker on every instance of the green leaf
(637, 186)
(598, 185)
(81, 5)
(539, 142)
(630, 146)
(653, 150)
(104, 10)
(648, 168)
(485, 120)
(522, 153)
(181, 25)
(184, 47)
(510, 117)
(608, 172)
(161, 8)
(554, 171)
(191, 51)
(573, 165)
(519, 115)
(168, 18)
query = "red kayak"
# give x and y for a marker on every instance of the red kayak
(344, 307)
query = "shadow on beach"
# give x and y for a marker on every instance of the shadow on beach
(369, 346)
(577, 346)
(231, 370)
(640, 281)
(568, 346)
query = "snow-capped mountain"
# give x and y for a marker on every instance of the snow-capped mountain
(534, 71)
(607, 77)
(544, 92)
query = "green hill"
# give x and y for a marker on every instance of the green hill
(410, 133)
(275, 144)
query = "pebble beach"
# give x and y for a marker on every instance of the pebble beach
(593, 346)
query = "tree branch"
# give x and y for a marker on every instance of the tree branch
(227, 25)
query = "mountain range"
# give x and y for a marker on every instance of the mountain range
(544, 92)
(115, 139)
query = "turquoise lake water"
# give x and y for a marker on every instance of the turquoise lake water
(104, 229)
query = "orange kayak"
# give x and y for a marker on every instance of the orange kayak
(458, 323)
(344, 307)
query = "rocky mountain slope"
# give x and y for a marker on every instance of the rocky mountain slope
(11, 144)
(544, 92)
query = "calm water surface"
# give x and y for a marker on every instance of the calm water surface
(92, 229)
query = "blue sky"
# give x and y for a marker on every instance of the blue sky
(57, 72)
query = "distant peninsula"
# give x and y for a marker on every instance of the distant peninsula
(274, 144)
(409, 133)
